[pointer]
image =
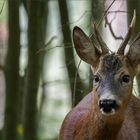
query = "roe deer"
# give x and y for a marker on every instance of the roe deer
(110, 111)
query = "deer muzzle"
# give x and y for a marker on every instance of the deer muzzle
(107, 106)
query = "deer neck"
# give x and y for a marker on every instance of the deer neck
(102, 126)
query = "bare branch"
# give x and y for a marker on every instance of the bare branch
(118, 11)
(49, 42)
(74, 90)
(2, 7)
(106, 12)
(70, 62)
(111, 29)
(69, 23)
(63, 46)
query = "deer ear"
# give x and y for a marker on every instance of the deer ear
(84, 47)
(134, 51)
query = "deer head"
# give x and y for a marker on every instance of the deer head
(113, 72)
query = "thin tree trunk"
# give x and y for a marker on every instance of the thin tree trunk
(43, 53)
(36, 38)
(135, 4)
(69, 54)
(97, 12)
(12, 72)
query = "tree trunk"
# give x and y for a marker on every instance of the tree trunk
(97, 10)
(135, 4)
(12, 72)
(36, 38)
(69, 54)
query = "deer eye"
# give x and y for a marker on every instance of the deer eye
(96, 79)
(126, 78)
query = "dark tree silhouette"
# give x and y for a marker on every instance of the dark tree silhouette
(37, 10)
(69, 55)
(12, 72)
(131, 6)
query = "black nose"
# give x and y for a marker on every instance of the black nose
(107, 105)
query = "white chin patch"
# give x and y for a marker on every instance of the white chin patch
(112, 112)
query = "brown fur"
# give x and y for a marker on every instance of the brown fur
(86, 121)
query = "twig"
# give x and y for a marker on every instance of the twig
(49, 42)
(68, 23)
(74, 89)
(110, 27)
(118, 11)
(105, 13)
(70, 62)
(63, 46)
(2, 7)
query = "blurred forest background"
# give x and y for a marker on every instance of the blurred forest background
(41, 77)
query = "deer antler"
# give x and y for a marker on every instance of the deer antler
(100, 40)
(128, 35)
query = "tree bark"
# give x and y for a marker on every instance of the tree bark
(12, 72)
(36, 38)
(97, 10)
(69, 54)
(135, 4)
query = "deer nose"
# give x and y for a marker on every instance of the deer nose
(107, 105)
